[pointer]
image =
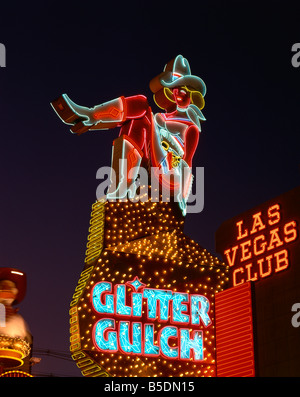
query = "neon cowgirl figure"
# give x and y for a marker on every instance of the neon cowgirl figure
(168, 140)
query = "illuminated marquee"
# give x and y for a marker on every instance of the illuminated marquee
(259, 242)
(144, 303)
(136, 337)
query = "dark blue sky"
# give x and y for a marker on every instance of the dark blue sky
(94, 52)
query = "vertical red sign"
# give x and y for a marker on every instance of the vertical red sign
(234, 332)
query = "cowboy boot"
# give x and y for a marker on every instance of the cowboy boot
(126, 160)
(186, 182)
(107, 115)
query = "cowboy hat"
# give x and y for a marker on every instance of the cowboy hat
(177, 73)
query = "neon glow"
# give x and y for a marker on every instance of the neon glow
(159, 305)
(234, 332)
(15, 272)
(96, 233)
(166, 140)
(262, 246)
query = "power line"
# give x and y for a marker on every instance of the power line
(51, 375)
(53, 353)
(57, 354)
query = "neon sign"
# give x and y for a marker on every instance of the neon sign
(96, 233)
(165, 141)
(261, 245)
(135, 336)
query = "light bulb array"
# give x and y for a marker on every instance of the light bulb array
(146, 240)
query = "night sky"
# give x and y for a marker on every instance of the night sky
(97, 51)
